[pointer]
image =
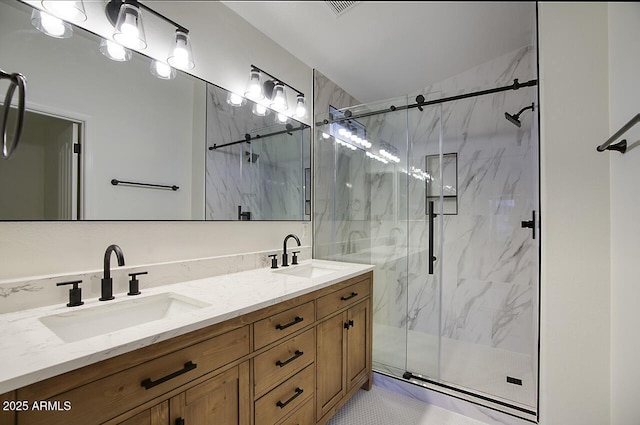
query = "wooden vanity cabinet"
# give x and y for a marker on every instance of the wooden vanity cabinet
(294, 363)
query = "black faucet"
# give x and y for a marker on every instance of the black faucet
(285, 259)
(107, 282)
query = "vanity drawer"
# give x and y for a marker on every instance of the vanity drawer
(282, 361)
(343, 298)
(132, 387)
(303, 416)
(286, 397)
(282, 324)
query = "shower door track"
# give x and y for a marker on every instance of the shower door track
(421, 102)
(409, 375)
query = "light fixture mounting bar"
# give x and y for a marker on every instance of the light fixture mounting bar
(113, 7)
(277, 79)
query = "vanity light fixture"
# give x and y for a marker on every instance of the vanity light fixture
(279, 102)
(182, 56)
(50, 25)
(162, 70)
(262, 85)
(126, 17)
(301, 110)
(114, 51)
(67, 10)
(129, 30)
(254, 85)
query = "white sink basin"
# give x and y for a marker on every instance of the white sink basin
(99, 320)
(308, 271)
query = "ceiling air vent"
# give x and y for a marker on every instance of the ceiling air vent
(340, 7)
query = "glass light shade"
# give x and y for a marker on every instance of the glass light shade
(162, 70)
(234, 99)
(301, 109)
(129, 29)
(114, 51)
(182, 57)
(279, 102)
(260, 110)
(254, 86)
(281, 118)
(67, 10)
(50, 25)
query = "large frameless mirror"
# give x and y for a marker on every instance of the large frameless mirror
(109, 136)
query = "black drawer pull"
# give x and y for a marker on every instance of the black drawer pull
(298, 392)
(348, 324)
(148, 383)
(295, 321)
(353, 294)
(297, 354)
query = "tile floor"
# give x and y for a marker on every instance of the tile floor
(380, 406)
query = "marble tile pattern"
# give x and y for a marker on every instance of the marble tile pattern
(265, 176)
(35, 353)
(38, 291)
(484, 289)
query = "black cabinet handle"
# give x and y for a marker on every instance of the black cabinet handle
(180, 421)
(297, 354)
(348, 324)
(148, 383)
(282, 405)
(353, 294)
(295, 321)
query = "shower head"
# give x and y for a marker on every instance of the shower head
(515, 118)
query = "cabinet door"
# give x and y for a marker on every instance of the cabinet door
(157, 415)
(221, 400)
(330, 386)
(357, 342)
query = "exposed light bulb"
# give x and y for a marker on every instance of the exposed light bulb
(281, 118)
(301, 110)
(116, 52)
(181, 56)
(67, 10)
(341, 131)
(347, 134)
(325, 136)
(129, 30)
(259, 110)
(279, 99)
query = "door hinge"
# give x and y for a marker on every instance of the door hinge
(76, 148)
(531, 224)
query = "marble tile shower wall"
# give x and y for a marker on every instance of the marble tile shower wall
(258, 176)
(488, 260)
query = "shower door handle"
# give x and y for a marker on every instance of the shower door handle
(432, 216)
(530, 224)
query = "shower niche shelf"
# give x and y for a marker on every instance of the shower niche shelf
(448, 188)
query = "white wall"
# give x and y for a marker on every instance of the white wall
(624, 98)
(575, 314)
(224, 46)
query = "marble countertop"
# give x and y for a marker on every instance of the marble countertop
(31, 352)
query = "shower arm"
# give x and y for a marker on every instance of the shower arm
(524, 109)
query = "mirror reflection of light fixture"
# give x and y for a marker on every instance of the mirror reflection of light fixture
(182, 56)
(50, 25)
(281, 118)
(114, 51)
(234, 99)
(162, 70)
(254, 86)
(260, 110)
(67, 10)
(129, 30)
